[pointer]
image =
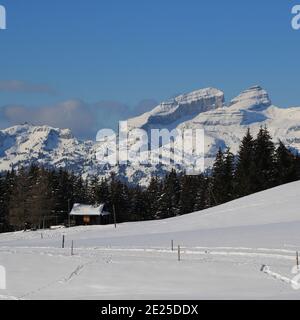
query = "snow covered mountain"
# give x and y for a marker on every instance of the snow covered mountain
(23, 145)
(26, 144)
(180, 109)
(224, 125)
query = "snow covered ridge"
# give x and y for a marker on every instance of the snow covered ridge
(179, 108)
(224, 125)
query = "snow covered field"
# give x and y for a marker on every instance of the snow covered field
(223, 250)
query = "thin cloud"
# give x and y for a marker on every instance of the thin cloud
(144, 106)
(84, 119)
(17, 86)
(71, 114)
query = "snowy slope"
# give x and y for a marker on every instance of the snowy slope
(223, 249)
(224, 127)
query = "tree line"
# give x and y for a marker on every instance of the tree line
(40, 197)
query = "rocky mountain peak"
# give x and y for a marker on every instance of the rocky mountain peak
(254, 98)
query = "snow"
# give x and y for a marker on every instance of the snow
(295, 284)
(224, 125)
(179, 108)
(87, 210)
(255, 98)
(222, 249)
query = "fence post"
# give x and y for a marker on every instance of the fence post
(72, 248)
(179, 254)
(172, 245)
(63, 242)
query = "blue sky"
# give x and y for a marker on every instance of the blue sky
(85, 64)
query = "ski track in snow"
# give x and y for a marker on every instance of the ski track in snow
(66, 279)
(63, 280)
(95, 254)
(75, 273)
(278, 276)
(218, 251)
(248, 252)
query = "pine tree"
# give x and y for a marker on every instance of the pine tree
(8, 183)
(285, 165)
(19, 211)
(217, 180)
(169, 199)
(3, 214)
(297, 166)
(264, 160)
(103, 190)
(119, 199)
(137, 205)
(201, 195)
(151, 198)
(188, 190)
(80, 192)
(228, 183)
(93, 191)
(245, 168)
(41, 200)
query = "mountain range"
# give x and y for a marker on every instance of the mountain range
(224, 123)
